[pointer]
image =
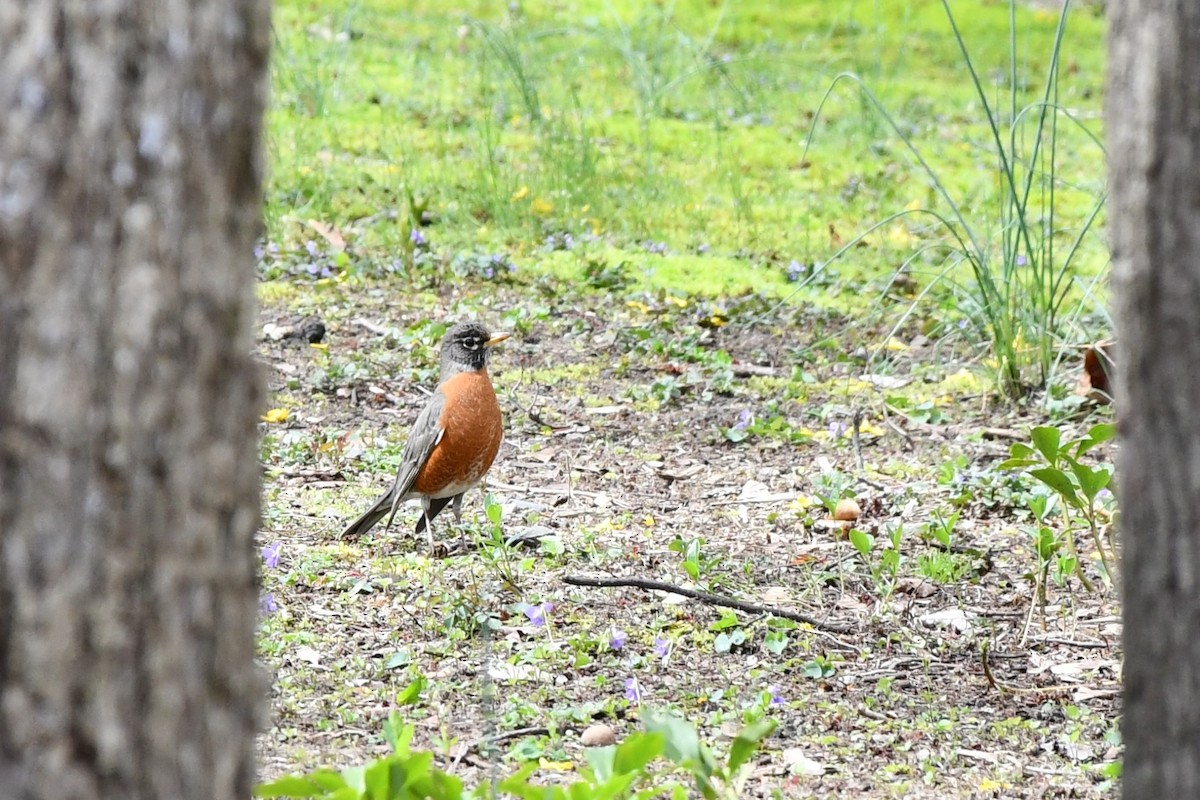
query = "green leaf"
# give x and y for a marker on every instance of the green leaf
(445, 787)
(518, 784)
(396, 733)
(315, 784)
(1091, 481)
(377, 780)
(1057, 480)
(1046, 439)
(1047, 544)
(747, 741)
(400, 658)
(637, 751)
(863, 542)
(728, 620)
(493, 509)
(1096, 435)
(410, 694)
(356, 780)
(552, 545)
(1017, 463)
(1020, 451)
(682, 745)
(602, 760)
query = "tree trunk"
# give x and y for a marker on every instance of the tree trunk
(1153, 119)
(129, 203)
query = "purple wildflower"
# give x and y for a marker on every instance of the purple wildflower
(703, 248)
(617, 639)
(795, 270)
(270, 555)
(418, 239)
(836, 429)
(744, 420)
(776, 696)
(661, 646)
(258, 252)
(1021, 260)
(267, 605)
(560, 241)
(311, 247)
(633, 690)
(537, 614)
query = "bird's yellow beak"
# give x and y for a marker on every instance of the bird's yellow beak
(496, 339)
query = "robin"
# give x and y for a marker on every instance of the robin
(454, 440)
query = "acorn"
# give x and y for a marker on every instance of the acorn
(847, 510)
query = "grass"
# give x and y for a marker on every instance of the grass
(674, 128)
(665, 202)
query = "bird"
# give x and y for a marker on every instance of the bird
(453, 442)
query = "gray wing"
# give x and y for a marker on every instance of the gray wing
(422, 439)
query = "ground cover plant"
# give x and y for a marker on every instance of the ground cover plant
(798, 292)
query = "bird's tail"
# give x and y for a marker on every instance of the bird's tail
(383, 507)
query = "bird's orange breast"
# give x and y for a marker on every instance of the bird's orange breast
(472, 430)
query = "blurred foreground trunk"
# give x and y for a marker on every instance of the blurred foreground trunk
(1153, 120)
(129, 203)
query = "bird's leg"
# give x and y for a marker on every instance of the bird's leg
(425, 502)
(456, 507)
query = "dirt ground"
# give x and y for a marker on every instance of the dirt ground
(618, 454)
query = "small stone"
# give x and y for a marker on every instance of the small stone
(847, 510)
(598, 735)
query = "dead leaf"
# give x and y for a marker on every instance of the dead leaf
(917, 587)
(799, 764)
(308, 655)
(329, 233)
(776, 595)
(953, 618)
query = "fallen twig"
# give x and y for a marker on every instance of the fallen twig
(495, 738)
(744, 370)
(706, 597)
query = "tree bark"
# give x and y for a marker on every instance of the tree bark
(130, 176)
(1153, 120)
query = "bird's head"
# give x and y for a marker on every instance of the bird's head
(465, 347)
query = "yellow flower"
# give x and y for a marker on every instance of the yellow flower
(868, 428)
(899, 236)
(717, 321)
(541, 207)
(520, 194)
(895, 345)
(275, 415)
